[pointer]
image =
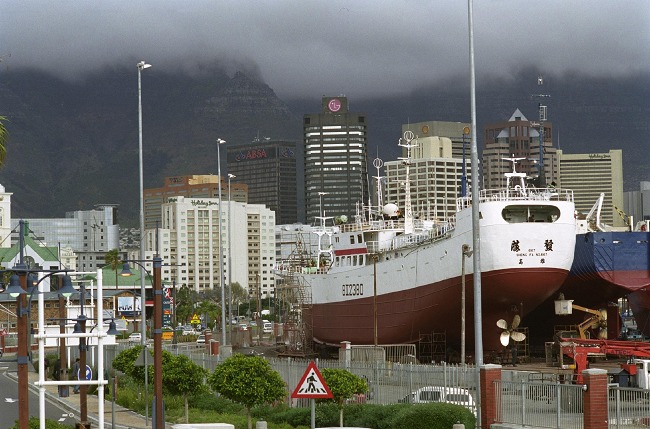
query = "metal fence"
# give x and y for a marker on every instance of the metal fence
(390, 383)
(629, 408)
(545, 405)
(527, 400)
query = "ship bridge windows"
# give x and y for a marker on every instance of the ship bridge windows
(530, 213)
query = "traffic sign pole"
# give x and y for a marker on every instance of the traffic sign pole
(312, 386)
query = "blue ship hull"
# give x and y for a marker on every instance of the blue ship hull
(606, 266)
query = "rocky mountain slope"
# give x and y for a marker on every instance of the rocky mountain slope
(74, 144)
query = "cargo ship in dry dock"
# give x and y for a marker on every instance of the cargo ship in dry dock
(608, 264)
(616, 263)
(387, 279)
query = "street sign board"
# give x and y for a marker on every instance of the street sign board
(312, 385)
(88, 376)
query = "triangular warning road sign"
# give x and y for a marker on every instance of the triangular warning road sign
(312, 385)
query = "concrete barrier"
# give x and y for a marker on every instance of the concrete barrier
(204, 426)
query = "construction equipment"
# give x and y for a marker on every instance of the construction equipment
(596, 322)
(580, 350)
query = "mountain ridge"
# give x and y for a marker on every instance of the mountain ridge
(74, 144)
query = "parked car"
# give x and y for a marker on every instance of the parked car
(243, 327)
(135, 337)
(451, 395)
(188, 330)
(267, 327)
(200, 339)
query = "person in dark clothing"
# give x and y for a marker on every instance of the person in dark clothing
(513, 353)
(75, 373)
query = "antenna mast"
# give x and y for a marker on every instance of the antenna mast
(408, 210)
(542, 109)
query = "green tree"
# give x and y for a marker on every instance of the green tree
(184, 305)
(343, 385)
(183, 377)
(4, 136)
(247, 380)
(125, 362)
(210, 310)
(114, 261)
(238, 295)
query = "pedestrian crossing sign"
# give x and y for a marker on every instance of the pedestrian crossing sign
(312, 385)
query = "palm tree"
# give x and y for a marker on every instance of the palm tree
(113, 260)
(4, 136)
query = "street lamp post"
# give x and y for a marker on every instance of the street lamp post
(158, 422)
(18, 288)
(157, 417)
(143, 340)
(463, 179)
(221, 285)
(230, 176)
(80, 327)
(141, 66)
(22, 356)
(465, 253)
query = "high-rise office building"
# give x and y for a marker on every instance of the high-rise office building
(336, 174)
(89, 231)
(268, 167)
(517, 137)
(193, 186)
(435, 178)
(458, 132)
(589, 175)
(190, 235)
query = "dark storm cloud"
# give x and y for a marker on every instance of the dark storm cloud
(360, 47)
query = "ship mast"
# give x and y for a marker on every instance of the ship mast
(542, 118)
(408, 210)
(378, 163)
(520, 188)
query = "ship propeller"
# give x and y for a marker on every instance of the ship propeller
(510, 331)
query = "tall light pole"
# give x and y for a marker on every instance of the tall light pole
(463, 179)
(230, 176)
(223, 294)
(158, 422)
(157, 418)
(465, 253)
(143, 340)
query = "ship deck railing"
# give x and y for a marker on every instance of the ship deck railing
(388, 225)
(409, 240)
(517, 194)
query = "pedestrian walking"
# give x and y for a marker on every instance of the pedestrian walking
(75, 373)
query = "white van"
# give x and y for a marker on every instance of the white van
(267, 327)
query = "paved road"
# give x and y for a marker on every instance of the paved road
(9, 400)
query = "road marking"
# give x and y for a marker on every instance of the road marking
(10, 400)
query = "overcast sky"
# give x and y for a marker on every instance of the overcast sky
(308, 48)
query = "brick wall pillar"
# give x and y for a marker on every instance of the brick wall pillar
(594, 400)
(488, 374)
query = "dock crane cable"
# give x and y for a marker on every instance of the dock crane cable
(622, 214)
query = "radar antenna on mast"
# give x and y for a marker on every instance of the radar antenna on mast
(408, 141)
(542, 109)
(378, 163)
